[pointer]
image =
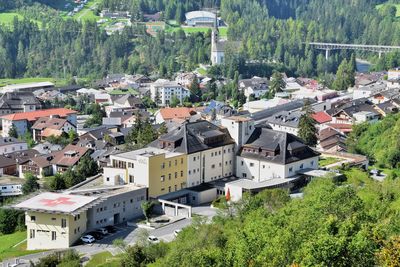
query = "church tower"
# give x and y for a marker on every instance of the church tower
(217, 47)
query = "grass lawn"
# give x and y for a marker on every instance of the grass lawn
(123, 92)
(87, 13)
(58, 82)
(103, 259)
(327, 161)
(7, 243)
(396, 5)
(8, 18)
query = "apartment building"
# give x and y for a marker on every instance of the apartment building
(162, 91)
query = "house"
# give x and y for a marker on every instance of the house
(168, 114)
(321, 117)
(263, 104)
(46, 126)
(11, 186)
(185, 78)
(201, 19)
(319, 95)
(162, 91)
(16, 102)
(28, 87)
(102, 133)
(285, 121)
(393, 78)
(270, 159)
(368, 91)
(58, 220)
(46, 148)
(345, 113)
(115, 14)
(217, 110)
(386, 108)
(57, 162)
(23, 121)
(11, 144)
(255, 86)
(127, 101)
(331, 140)
(8, 166)
(385, 95)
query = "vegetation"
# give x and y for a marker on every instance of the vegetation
(327, 161)
(147, 207)
(13, 245)
(378, 141)
(334, 224)
(103, 259)
(11, 221)
(277, 84)
(31, 183)
(307, 129)
(70, 258)
(142, 134)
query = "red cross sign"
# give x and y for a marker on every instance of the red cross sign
(57, 201)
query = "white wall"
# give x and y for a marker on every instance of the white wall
(285, 129)
(9, 148)
(113, 176)
(240, 131)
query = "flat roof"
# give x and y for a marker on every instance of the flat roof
(56, 203)
(27, 85)
(147, 152)
(319, 173)
(199, 14)
(250, 184)
(238, 118)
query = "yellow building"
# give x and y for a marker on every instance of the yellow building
(55, 220)
(160, 170)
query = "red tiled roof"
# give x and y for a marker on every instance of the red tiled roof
(322, 117)
(76, 153)
(34, 115)
(171, 113)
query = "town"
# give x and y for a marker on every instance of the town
(167, 135)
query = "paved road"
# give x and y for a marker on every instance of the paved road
(130, 234)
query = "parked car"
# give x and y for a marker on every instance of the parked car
(153, 239)
(177, 231)
(96, 235)
(111, 229)
(102, 231)
(88, 239)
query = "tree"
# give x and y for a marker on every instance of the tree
(13, 131)
(174, 102)
(195, 91)
(277, 84)
(344, 76)
(31, 184)
(56, 182)
(87, 167)
(307, 129)
(389, 255)
(163, 129)
(147, 208)
(11, 220)
(72, 178)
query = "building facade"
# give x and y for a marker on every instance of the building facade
(163, 91)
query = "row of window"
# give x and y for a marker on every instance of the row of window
(175, 188)
(170, 176)
(13, 148)
(163, 165)
(32, 234)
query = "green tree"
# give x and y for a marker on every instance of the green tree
(87, 167)
(277, 84)
(344, 76)
(195, 91)
(174, 102)
(55, 182)
(147, 208)
(307, 129)
(13, 131)
(11, 220)
(31, 183)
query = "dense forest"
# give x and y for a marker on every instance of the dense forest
(271, 34)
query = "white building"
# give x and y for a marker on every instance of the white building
(11, 186)
(162, 91)
(11, 144)
(255, 86)
(270, 159)
(217, 46)
(285, 121)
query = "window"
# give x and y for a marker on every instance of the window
(213, 166)
(53, 235)
(302, 166)
(194, 171)
(53, 219)
(32, 233)
(169, 163)
(194, 158)
(176, 162)
(108, 179)
(33, 218)
(251, 164)
(176, 187)
(63, 223)
(244, 175)
(290, 169)
(219, 152)
(182, 161)
(312, 163)
(169, 189)
(163, 165)
(263, 166)
(169, 176)
(181, 173)
(190, 172)
(162, 178)
(242, 163)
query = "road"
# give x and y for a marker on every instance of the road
(130, 234)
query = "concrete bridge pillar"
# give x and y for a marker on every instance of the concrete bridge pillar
(327, 51)
(380, 54)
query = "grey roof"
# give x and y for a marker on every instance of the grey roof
(17, 100)
(132, 100)
(47, 148)
(287, 147)
(256, 83)
(199, 14)
(9, 140)
(286, 118)
(264, 114)
(193, 137)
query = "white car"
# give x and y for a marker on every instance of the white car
(153, 239)
(88, 239)
(177, 231)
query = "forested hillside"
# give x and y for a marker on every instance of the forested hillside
(355, 223)
(271, 32)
